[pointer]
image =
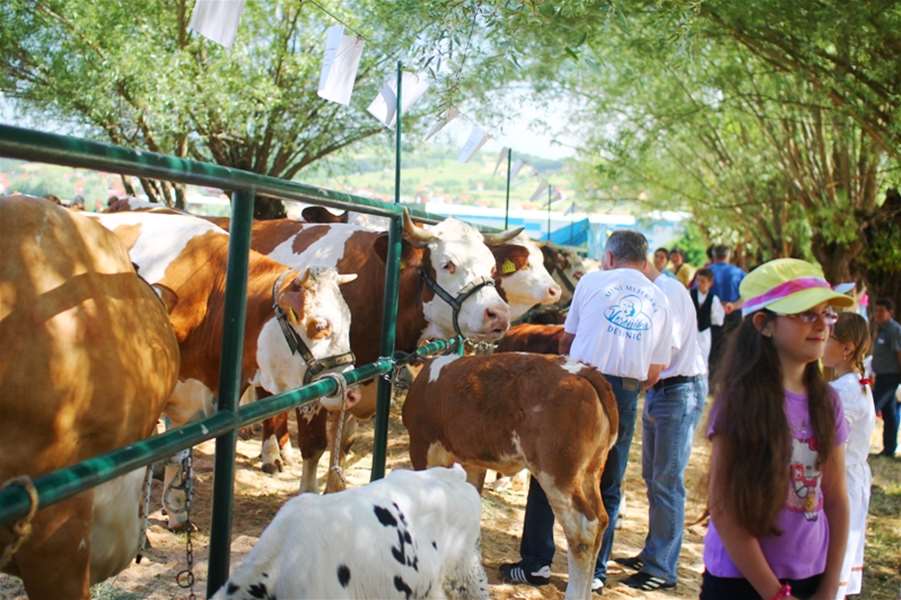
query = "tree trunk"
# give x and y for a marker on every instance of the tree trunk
(835, 259)
(880, 263)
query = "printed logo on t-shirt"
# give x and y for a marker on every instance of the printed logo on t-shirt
(631, 313)
(804, 495)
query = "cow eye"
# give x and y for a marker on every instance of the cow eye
(450, 267)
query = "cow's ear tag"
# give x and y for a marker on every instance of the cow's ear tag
(508, 267)
(403, 264)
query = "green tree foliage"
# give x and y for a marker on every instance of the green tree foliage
(774, 123)
(133, 73)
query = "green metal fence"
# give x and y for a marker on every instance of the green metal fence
(244, 186)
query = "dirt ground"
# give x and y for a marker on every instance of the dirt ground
(258, 496)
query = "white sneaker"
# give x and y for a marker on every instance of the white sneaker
(597, 584)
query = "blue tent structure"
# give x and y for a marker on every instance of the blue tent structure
(574, 234)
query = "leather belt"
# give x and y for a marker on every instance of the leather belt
(670, 381)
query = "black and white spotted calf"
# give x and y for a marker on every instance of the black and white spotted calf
(412, 535)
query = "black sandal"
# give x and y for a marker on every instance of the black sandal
(647, 583)
(633, 562)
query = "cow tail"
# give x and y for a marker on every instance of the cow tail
(605, 395)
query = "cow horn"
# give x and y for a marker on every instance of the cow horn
(418, 236)
(498, 239)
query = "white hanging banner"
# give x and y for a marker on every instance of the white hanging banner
(413, 85)
(217, 20)
(477, 139)
(500, 158)
(542, 189)
(339, 65)
(516, 168)
(452, 113)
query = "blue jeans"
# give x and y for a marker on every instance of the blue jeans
(537, 545)
(670, 415)
(884, 399)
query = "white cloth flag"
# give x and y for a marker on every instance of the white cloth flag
(541, 190)
(500, 159)
(452, 113)
(339, 65)
(477, 139)
(217, 20)
(413, 86)
(516, 168)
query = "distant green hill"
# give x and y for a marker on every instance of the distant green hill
(433, 171)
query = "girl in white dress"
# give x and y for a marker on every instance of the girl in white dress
(847, 346)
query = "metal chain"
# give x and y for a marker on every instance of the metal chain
(22, 527)
(185, 578)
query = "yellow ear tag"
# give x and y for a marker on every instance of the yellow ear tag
(508, 267)
(403, 264)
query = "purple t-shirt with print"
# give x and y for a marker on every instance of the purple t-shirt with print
(800, 551)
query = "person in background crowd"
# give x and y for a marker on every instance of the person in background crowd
(671, 411)
(726, 279)
(709, 310)
(619, 322)
(847, 346)
(661, 260)
(681, 269)
(777, 494)
(887, 367)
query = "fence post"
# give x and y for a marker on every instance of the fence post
(389, 303)
(229, 386)
(507, 208)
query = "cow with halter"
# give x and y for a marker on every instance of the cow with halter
(446, 288)
(289, 312)
(521, 274)
(88, 362)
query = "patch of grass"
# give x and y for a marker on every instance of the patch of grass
(882, 555)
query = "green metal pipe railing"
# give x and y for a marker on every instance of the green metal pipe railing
(235, 312)
(65, 483)
(39, 146)
(61, 484)
(389, 301)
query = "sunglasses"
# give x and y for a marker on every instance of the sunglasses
(809, 317)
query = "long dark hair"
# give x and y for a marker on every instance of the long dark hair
(749, 415)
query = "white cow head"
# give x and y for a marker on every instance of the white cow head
(458, 260)
(521, 274)
(316, 311)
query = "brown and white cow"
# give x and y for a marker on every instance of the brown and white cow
(523, 279)
(567, 268)
(521, 275)
(555, 417)
(189, 255)
(541, 339)
(88, 362)
(452, 253)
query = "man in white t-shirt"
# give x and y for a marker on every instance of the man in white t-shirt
(671, 411)
(618, 322)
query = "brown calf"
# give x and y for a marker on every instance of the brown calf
(553, 416)
(542, 339)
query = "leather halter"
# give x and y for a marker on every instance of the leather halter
(296, 344)
(455, 302)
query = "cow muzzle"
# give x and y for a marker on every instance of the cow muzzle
(496, 322)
